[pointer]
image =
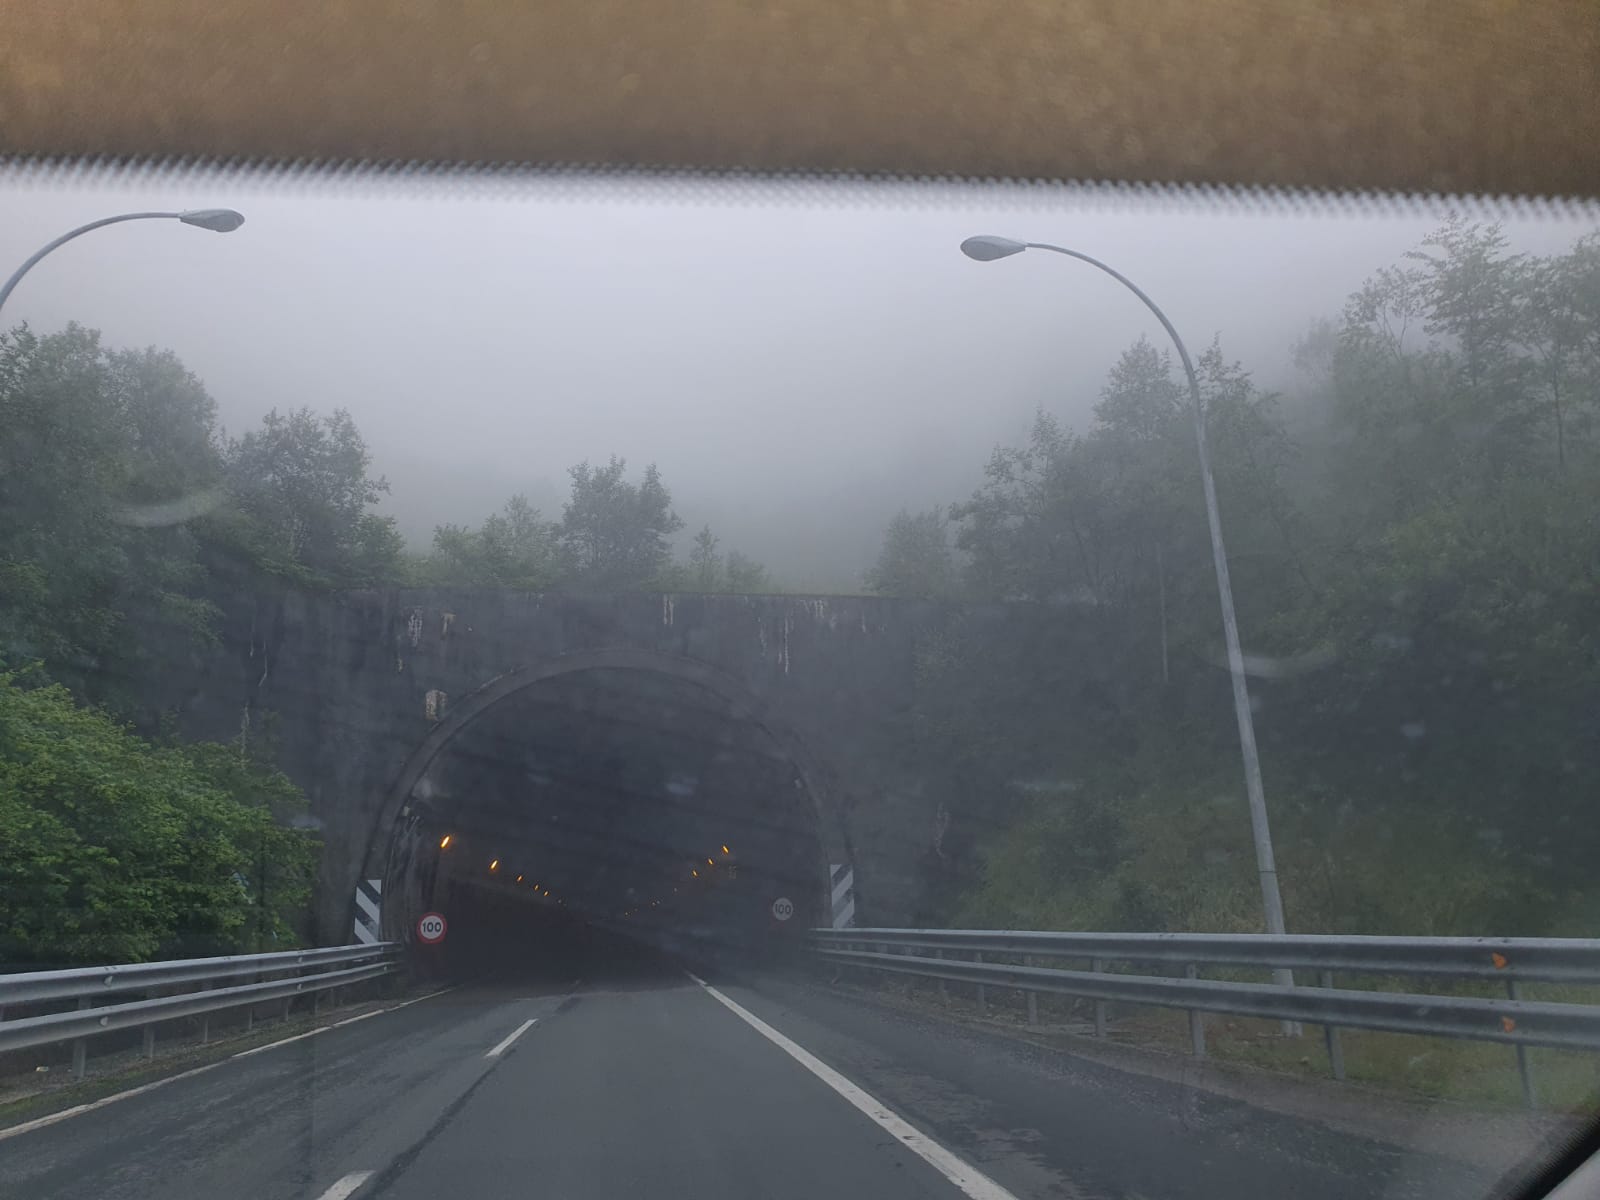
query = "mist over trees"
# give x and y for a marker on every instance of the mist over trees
(613, 535)
(128, 509)
(915, 559)
(120, 500)
(1416, 575)
(1416, 565)
(130, 523)
(300, 496)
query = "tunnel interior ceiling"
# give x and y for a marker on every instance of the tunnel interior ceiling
(625, 795)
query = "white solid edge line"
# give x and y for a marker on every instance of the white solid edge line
(79, 1109)
(511, 1037)
(335, 1025)
(969, 1179)
(299, 1037)
(346, 1186)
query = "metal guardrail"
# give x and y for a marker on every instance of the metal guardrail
(1509, 961)
(313, 972)
(79, 981)
(1545, 960)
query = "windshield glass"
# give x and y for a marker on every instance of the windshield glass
(753, 685)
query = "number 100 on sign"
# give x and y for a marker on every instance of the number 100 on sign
(431, 928)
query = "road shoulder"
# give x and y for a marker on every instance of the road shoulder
(1005, 1094)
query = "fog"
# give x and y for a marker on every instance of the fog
(801, 360)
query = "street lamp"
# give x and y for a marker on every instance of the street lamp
(218, 220)
(988, 248)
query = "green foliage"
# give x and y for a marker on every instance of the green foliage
(301, 500)
(104, 453)
(614, 536)
(1178, 859)
(512, 548)
(1416, 567)
(112, 849)
(1417, 577)
(615, 533)
(120, 504)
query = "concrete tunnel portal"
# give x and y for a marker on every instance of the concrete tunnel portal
(631, 792)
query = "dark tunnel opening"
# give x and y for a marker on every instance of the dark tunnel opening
(607, 807)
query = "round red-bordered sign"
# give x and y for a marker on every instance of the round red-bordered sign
(431, 928)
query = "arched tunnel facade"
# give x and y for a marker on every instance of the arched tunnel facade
(596, 744)
(626, 789)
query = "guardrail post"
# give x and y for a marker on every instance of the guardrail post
(983, 995)
(1331, 1034)
(205, 1019)
(1033, 997)
(1099, 965)
(1523, 1071)
(944, 985)
(149, 1042)
(1197, 1019)
(80, 1047)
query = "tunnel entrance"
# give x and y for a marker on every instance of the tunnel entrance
(647, 800)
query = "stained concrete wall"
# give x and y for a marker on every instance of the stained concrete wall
(358, 688)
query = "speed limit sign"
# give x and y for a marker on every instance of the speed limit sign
(783, 908)
(431, 927)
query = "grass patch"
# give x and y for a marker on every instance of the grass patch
(1483, 1074)
(123, 1069)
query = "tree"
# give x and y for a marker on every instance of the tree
(705, 564)
(915, 557)
(515, 547)
(1470, 288)
(169, 422)
(116, 850)
(615, 533)
(281, 855)
(1140, 427)
(1558, 326)
(106, 457)
(1044, 524)
(303, 496)
(746, 577)
(1418, 600)
(1142, 402)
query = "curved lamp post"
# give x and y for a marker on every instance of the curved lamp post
(987, 249)
(218, 220)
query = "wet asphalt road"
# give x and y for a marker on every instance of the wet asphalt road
(619, 1074)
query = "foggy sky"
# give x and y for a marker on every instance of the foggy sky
(800, 365)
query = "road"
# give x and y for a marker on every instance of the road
(630, 1077)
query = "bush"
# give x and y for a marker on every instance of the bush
(114, 849)
(1182, 860)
